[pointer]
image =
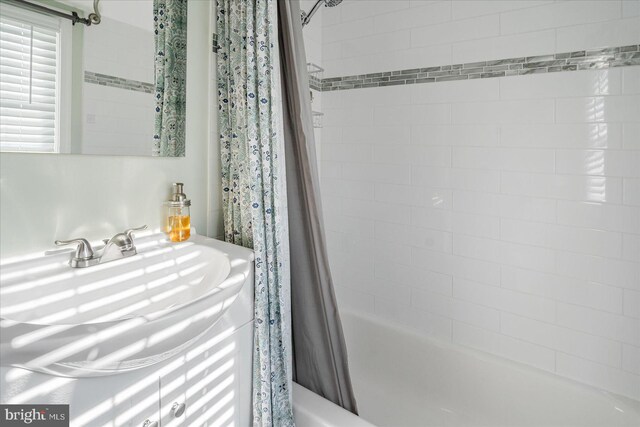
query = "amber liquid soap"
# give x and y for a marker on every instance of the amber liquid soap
(179, 228)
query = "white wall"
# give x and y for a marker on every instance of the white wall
(501, 214)
(132, 12)
(48, 197)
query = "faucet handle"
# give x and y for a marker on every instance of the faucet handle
(130, 231)
(83, 250)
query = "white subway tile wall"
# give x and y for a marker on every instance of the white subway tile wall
(314, 50)
(364, 36)
(117, 119)
(501, 214)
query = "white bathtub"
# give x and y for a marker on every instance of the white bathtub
(311, 410)
(402, 380)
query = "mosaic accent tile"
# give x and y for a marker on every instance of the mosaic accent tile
(610, 57)
(118, 82)
(315, 83)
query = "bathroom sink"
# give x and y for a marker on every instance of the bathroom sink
(121, 315)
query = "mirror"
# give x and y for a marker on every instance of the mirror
(115, 87)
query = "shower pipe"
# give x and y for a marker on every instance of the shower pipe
(306, 17)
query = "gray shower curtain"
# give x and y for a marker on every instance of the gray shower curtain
(319, 351)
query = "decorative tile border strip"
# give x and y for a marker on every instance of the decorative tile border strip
(570, 61)
(118, 82)
(315, 83)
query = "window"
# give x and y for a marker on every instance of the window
(31, 96)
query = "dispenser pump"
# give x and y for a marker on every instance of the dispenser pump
(178, 198)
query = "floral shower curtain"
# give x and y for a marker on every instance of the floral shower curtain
(254, 193)
(170, 29)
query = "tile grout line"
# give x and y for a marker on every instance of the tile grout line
(590, 59)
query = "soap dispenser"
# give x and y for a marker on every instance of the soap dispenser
(178, 215)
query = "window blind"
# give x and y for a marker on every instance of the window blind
(28, 85)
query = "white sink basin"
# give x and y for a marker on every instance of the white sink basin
(121, 315)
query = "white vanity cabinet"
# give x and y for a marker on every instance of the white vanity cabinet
(216, 389)
(172, 393)
(117, 400)
(135, 402)
(211, 383)
(208, 384)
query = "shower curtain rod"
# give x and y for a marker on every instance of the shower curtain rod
(92, 19)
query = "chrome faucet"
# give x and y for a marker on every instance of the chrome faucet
(119, 246)
(84, 256)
